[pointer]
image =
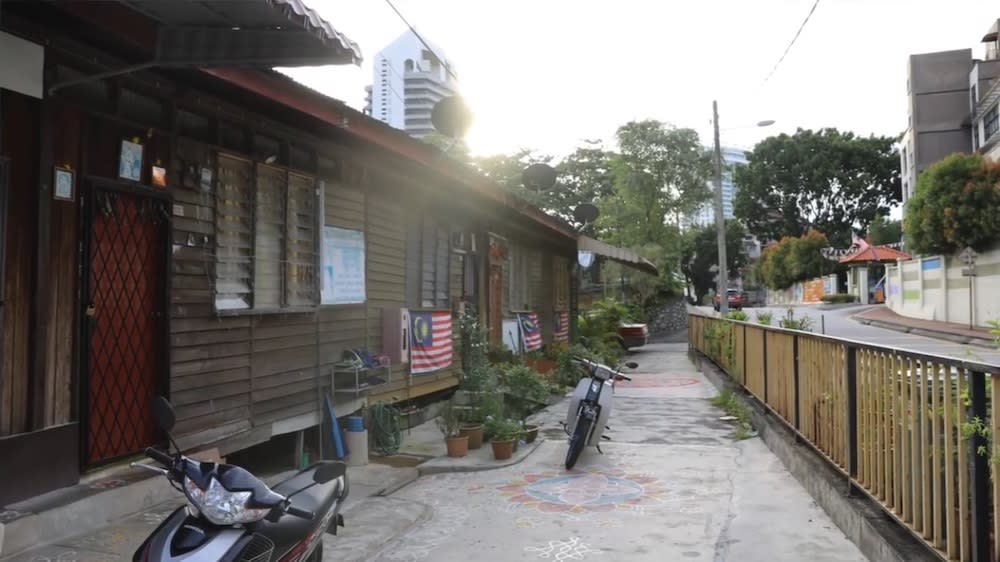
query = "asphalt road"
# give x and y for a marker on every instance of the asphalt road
(838, 323)
(672, 485)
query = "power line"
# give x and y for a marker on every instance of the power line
(789, 47)
(421, 39)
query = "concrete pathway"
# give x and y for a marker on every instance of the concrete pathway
(673, 485)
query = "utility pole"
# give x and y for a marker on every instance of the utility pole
(722, 285)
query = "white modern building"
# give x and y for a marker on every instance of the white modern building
(409, 79)
(731, 157)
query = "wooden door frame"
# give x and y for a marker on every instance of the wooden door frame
(90, 185)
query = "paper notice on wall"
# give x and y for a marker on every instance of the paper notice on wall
(343, 266)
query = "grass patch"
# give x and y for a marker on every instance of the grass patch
(730, 402)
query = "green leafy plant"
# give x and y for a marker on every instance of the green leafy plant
(738, 315)
(449, 421)
(764, 317)
(733, 405)
(525, 391)
(502, 429)
(792, 323)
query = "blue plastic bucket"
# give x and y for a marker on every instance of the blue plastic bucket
(355, 424)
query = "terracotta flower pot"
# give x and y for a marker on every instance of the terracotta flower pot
(475, 434)
(503, 450)
(530, 433)
(458, 446)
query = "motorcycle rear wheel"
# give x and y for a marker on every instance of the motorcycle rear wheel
(578, 441)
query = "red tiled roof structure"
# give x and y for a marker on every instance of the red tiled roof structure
(874, 254)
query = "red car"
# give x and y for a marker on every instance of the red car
(734, 298)
(633, 335)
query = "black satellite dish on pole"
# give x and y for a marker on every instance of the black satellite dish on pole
(451, 117)
(586, 213)
(539, 177)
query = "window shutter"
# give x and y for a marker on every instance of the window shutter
(442, 283)
(428, 243)
(301, 242)
(233, 234)
(269, 237)
(413, 263)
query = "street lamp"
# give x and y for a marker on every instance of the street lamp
(722, 282)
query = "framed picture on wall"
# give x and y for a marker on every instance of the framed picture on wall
(130, 161)
(63, 184)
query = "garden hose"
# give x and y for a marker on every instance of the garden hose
(385, 427)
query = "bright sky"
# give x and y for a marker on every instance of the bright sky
(545, 74)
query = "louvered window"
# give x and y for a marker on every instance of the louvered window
(266, 238)
(428, 264)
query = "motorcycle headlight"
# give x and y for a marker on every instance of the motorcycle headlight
(221, 506)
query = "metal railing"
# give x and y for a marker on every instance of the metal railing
(915, 432)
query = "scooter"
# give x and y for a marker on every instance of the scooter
(590, 407)
(232, 516)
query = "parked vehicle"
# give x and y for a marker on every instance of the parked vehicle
(633, 335)
(233, 516)
(590, 407)
(733, 297)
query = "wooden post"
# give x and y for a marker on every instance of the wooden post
(852, 410)
(795, 379)
(979, 476)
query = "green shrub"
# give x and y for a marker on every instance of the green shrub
(840, 298)
(792, 323)
(738, 315)
(764, 317)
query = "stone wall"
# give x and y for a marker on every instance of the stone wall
(671, 317)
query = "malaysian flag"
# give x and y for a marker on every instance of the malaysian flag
(531, 332)
(561, 332)
(431, 349)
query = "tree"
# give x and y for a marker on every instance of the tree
(829, 180)
(700, 253)
(456, 149)
(885, 231)
(794, 259)
(956, 204)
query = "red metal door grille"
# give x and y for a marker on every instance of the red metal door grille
(126, 321)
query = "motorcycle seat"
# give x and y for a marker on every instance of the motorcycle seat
(319, 499)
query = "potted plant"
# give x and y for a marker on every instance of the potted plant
(505, 432)
(450, 424)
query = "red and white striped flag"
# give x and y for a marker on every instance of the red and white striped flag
(561, 332)
(431, 336)
(531, 332)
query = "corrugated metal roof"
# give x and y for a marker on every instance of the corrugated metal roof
(317, 24)
(620, 255)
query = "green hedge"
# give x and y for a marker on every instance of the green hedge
(841, 298)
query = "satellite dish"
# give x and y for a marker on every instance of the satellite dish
(586, 213)
(585, 258)
(538, 177)
(451, 117)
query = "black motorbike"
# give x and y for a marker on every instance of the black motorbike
(232, 516)
(590, 406)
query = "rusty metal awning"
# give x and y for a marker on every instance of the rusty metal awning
(263, 33)
(621, 255)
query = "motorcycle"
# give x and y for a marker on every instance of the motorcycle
(590, 407)
(233, 516)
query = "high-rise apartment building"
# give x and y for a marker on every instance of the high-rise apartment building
(409, 79)
(947, 95)
(731, 157)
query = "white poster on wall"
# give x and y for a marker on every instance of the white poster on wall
(343, 266)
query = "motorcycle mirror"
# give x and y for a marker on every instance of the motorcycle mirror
(163, 414)
(632, 365)
(329, 471)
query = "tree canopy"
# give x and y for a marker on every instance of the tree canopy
(700, 252)
(885, 231)
(794, 259)
(956, 204)
(829, 180)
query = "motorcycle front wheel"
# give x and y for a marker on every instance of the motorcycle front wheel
(578, 441)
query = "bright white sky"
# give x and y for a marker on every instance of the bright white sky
(545, 74)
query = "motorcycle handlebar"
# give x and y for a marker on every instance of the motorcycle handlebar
(303, 513)
(160, 457)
